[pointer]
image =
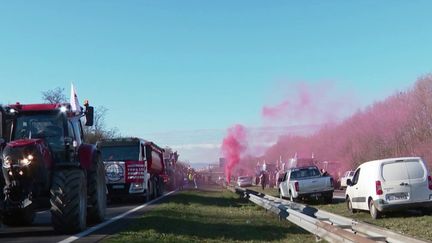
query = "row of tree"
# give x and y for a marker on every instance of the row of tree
(400, 125)
(92, 134)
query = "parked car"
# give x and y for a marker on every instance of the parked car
(244, 181)
(381, 186)
(306, 182)
(343, 180)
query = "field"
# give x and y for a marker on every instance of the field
(211, 215)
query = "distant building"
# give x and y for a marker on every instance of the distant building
(222, 162)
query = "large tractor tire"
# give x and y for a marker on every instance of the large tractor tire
(97, 196)
(19, 217)
(68, 200)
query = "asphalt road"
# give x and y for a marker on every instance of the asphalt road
(118, 217)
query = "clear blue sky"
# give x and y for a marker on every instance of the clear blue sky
(162, 66)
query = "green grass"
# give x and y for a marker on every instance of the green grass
(411, 223)
(212, 215)
(269, 191)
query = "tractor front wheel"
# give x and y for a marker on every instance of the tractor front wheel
(68, 200)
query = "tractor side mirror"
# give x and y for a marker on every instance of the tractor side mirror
(89, 114)
(349, 182)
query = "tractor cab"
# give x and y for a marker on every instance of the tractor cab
(54, 124)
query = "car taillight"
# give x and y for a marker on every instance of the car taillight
(430, 182)
(296, 185)
(378, 188)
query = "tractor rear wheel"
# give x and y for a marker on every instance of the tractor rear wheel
(68, 200)
(97, 192)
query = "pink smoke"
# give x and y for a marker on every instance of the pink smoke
(233, 145)
(305, 104)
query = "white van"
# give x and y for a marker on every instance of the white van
(390, 184)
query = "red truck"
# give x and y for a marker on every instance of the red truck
(133, 166)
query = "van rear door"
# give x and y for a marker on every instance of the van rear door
(417, 179)
(396, 184)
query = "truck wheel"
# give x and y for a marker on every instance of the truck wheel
(97, 196)
(292, 199)
(19, 217)
(148, 191)
(68, 200)
(375, 214)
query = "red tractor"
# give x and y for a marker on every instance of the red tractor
(47, 164)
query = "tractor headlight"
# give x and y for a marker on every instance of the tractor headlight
(7, 161)
(26, 160)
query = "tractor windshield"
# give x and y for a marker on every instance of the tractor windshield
(45, 126)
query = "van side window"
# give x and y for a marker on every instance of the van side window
(356, 177)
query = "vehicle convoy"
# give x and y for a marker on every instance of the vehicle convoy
(133, 166)
(47, 164)
(343, 180)
(306, 182)
(392, 184)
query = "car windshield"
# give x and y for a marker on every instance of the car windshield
(305, 172)
(120, 153)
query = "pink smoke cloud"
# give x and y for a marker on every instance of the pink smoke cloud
(233, 145)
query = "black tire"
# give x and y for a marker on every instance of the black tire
(292, 199)
(68, 201)
(19, 217)
(148, 190)
(328, 198)
(97, 196)
(349, 206)
(374, 212)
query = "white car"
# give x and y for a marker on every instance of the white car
(244, 181)
(392, 184)
(306, 182)
(348, 175)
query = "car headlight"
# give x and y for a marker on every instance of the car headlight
(26, 160)
(7, 161)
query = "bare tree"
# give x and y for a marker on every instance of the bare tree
(92, 134)
(99, 130)
(53, 96)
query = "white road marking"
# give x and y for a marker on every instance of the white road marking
(111, 220)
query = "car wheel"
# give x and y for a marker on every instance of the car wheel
(374, 212)
(292, 199)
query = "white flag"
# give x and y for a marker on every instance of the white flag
(75, 106)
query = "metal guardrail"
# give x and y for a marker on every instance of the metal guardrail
(325, 225)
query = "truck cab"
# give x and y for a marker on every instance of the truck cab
(133, 166)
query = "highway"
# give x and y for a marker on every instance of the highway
(119, 216)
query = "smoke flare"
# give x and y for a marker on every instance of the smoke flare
(233, 145)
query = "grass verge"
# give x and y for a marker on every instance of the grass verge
(211, 215)
(412, 223)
